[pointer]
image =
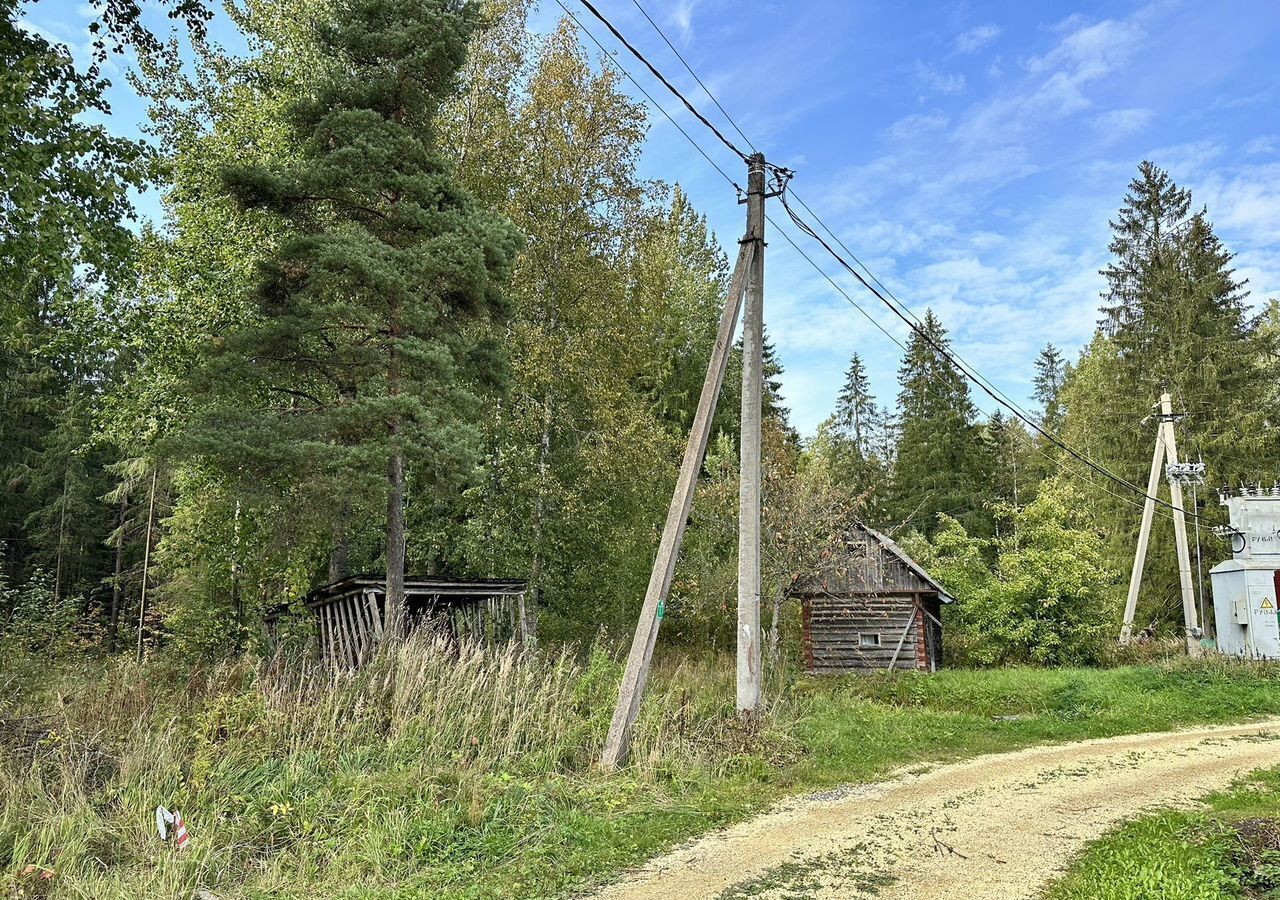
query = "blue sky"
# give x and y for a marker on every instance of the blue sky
(970, 153)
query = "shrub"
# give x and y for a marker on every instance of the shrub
(1045, 601)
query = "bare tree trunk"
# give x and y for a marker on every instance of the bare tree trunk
(237, 600)
(117, 589)
(340, 555)
(529, 610)
(495, 487)
(395, 611)
(146, 561)
(62, 536)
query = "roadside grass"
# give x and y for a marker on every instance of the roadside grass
(857, 728)
(1231, 848)
(437, 772)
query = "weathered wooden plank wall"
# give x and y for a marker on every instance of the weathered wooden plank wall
(834, 625)
(866, 567)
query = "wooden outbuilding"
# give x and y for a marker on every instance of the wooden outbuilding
(350, 612)
(869, 606)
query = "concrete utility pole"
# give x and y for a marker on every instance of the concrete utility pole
(749, 469)
(637, 671)
(1190, 617)
(748, 278)
(1144, 536)
(1166, 450)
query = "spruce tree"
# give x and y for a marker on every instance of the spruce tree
(855, 438)
(941, 466)
(364, 357)
(1051, 371)
(772, 406)
(1174, 319)
(856, 410)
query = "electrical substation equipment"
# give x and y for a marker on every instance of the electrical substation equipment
(1245, 587)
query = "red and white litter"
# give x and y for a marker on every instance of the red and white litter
(170, 823)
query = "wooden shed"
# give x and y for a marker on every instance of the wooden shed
(350, 612)
(868, 606)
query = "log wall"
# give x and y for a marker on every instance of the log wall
(833, 626)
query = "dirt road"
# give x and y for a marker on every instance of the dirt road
(994, 828)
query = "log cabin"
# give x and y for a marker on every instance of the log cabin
(869, 606)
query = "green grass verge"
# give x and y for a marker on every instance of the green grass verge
(432, 777)
(1229, 849)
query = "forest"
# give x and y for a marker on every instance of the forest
(294, 376)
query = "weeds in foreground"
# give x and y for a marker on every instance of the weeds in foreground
(444, 771)
(430, 762)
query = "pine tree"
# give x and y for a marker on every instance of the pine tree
(941, 466)
(365, 356)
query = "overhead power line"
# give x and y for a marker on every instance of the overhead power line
(656, 105)
(688, 68)
(658, 75)
(782, 176)
(946, 354)
(883, 287)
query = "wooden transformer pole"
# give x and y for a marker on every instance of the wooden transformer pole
(1166, 450)
(748, 270)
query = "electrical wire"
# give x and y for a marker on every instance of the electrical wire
(656, 105)
(809, 259)
(688, 68)
(1056, 461)
(946, 354)
(830, 232)
(658, 75)
(782, 176)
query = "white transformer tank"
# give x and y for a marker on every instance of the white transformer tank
(1245, 587)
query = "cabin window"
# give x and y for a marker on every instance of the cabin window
(869, 639)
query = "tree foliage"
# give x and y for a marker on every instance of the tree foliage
(1045, 601)
(413, 307)
(939, 465)
(1174, 319)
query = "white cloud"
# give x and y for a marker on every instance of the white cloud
(1057, 81)
(682, 15)
(989, 200)
(935, 81)
(1244, 203)
(1260, 146)
(914, 126)
(1119, 123)
(1186, 161)
(1091, 51)
(977, 37)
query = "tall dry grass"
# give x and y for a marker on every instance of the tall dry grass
(292, 774)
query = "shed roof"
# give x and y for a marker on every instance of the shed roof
(918, 570)
(417, 585)
(868, 536)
